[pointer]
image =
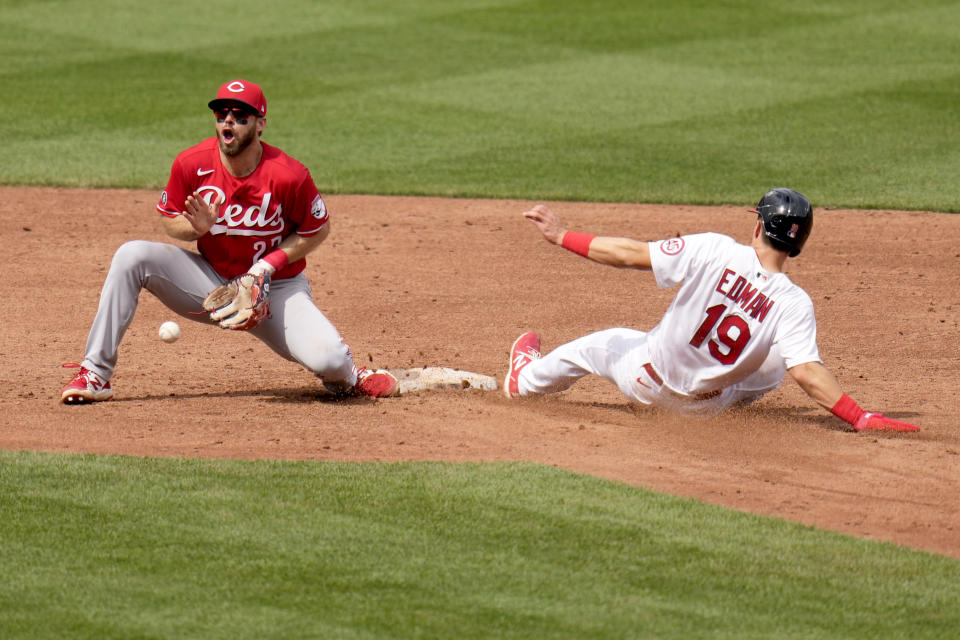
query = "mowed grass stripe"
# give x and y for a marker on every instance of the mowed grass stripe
(382, 98)
(128, 547)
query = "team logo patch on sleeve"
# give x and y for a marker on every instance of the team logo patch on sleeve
(163, 198)
(318, 208)
(672, 247)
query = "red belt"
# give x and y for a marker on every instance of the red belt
(697, 396)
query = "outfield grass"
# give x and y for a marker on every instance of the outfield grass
(685, 101)
(121, 547)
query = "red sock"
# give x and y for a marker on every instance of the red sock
(847, 410)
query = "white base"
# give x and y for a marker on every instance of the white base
(441, 378)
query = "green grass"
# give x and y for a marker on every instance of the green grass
(682, 101)
(119, 547)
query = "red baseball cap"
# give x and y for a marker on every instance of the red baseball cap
(241, 91)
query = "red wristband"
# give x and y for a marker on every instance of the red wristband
(277, 259)
(847, 410)
(577, 242)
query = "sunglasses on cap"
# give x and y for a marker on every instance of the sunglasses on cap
(239, 115)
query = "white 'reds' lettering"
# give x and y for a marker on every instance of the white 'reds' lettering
(256, 220)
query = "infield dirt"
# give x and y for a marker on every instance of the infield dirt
(413, 282)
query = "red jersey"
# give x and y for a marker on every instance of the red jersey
(258, 211)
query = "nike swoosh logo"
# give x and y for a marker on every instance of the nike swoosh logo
(204, 172)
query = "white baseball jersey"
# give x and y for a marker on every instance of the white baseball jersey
(727, 315)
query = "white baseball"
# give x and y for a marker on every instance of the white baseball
(169, 331)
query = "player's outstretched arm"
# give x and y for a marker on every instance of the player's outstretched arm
(616, 252)
(620, 252)
(818, 383)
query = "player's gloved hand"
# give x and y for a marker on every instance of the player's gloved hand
(847, 409)
(242, 303)
(872, 421)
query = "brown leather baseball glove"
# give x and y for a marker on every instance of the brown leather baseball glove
(242, 303)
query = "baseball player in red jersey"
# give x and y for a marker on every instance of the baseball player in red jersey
(255, 214)
(736, 326)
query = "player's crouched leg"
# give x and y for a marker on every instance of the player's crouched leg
(297, 330)
(128, 274)
(334, 366)
(340, 376)
(328, 358)
(177, 277)
(133, 257)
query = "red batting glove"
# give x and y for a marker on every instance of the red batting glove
(849, 411)
(870, 421)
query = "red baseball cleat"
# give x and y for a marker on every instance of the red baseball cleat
(525, 350)
(85, 387)
(376, 384)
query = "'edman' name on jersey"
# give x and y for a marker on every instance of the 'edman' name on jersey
(748, 298)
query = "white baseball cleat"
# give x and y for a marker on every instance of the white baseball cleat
(85, 387)
(525, 350)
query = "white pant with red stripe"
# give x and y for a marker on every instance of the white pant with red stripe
(619, 355)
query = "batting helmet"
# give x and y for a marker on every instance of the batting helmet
(787, 218)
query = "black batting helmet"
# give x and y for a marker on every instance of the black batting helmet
(787, 218)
